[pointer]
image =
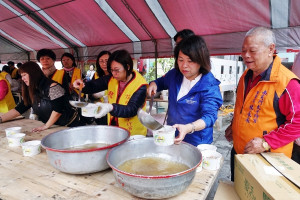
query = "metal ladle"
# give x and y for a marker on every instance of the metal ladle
(79, 103)
(146, 119)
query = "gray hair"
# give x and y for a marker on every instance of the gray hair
(267, 34)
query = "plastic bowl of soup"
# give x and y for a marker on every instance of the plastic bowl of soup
(13, 130)
(16, 139)
(31, 148)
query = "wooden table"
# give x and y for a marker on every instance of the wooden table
(34, 178)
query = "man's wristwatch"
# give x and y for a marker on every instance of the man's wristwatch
(266, 145)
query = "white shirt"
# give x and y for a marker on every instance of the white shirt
(187, 85)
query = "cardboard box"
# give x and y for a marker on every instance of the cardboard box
(256, 178)
(226, 191)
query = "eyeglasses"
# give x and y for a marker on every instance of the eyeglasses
(103, 61)
(116, 70)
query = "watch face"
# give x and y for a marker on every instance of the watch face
(266, 146)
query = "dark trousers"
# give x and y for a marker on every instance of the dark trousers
(296, 153)
(232, 163)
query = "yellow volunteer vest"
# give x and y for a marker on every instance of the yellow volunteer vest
(132, 124)
(8, 102)
(59, 74)
(14, 73)
(76, 75)
(4, 73)
(96, 76)
(256, 113)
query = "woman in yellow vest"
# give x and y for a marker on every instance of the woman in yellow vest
(7, 101)
(126, 93)
(72, 73)
(101, 70)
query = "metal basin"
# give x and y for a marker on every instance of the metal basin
(154, 187)
(82, 161)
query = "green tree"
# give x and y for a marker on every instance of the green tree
(164, 63)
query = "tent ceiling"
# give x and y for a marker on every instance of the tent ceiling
(85, 27)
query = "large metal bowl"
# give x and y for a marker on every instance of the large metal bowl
(86, 160)
(154, 187)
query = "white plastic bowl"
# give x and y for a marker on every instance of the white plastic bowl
(164, 136)
(164, 92)
(90, 110)
(203, 147)
(211, 159)
(13, 130)
(31, 148)
(15, 140)
(164, 97)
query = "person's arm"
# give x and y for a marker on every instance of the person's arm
(11, 114)
(228, 133)
(93, 86)
(53, 118)
(289, 105)
(190, 128)
(130, 110)
(9, 79)
(162, 83)
(3, 89)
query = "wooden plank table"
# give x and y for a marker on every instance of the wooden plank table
(34, 178)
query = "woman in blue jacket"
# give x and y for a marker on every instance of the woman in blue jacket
(194, 93)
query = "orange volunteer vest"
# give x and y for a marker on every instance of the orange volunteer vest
(255, 115)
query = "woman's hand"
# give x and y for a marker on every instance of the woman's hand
(152, 89)
(77, 83)
(41, 128)
(183, 130)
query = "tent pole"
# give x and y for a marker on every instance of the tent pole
(28, 55)
(156, 55)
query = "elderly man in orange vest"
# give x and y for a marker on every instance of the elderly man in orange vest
(267, 109)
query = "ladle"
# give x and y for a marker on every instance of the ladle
(147, 120)
(79, 103)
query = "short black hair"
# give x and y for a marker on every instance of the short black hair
(45, 52)
(6, 68)
(10, 63)
(185, 33)
(69, 56)
(19, 65)
(123, 57)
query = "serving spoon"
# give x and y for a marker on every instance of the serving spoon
(79, 103)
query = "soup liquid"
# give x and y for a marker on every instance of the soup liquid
(87, 146)
(152, 166)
